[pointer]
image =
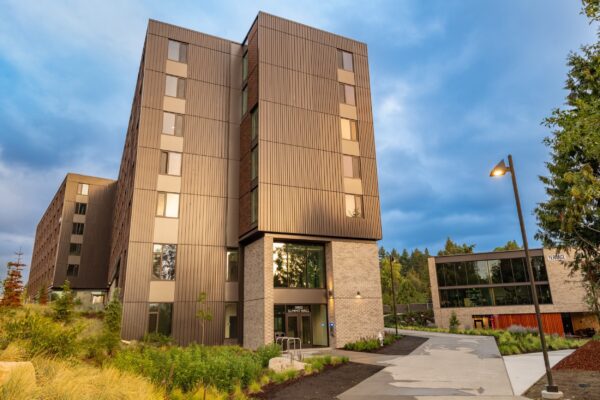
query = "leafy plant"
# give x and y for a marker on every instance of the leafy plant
(453, 323)
(203, 314)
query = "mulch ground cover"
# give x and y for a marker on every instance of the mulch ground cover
(586, 358)
(401, 347)
(326, 385)
(577, 376)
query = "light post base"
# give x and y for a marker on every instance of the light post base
(552, 395)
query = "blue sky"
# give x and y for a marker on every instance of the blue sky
(456, 86)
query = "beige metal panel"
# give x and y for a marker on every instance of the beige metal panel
(139, 272)
(348, 111)
(366, 138)
(147, 161)
(81, 199)
(166, 230)
(204, 175)
(205, 136)
(363, 104)
(135, 320)
(154, 89)
(173, 104)
(79, 218)
(346, 77)
(187, 328)
(235, 66)
(156, 52)
(353, 186)
(161, 292)
(233, 215)
(369, 175)
(283, 164)
(74, 260)
(295, 126)
(208, 65)
(76, 238)
(167, 183)
(295, 296)
(151, 124)
(350, 147)
(200, 269)
(207, 100)
(232, 292)
(176, 68)
(208, 214)
(361, 71)
(143, 210)
(187, 36)
(171, 143)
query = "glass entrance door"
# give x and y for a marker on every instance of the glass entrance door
(297, 324)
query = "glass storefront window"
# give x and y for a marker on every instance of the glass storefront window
(519, 270)
(539, 269)
(298, 265)
(494, 296)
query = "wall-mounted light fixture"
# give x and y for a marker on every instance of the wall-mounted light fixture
(330, 293)
(358, 296)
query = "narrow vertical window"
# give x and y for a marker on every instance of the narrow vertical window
(245, 67)
(172, 124)
(351, 166)
(347, 94)
(170, 163)
(160, 318)
(254, 132)
(175, 87)
(244, 101)
(177, 51)
(349, 129)
(163, 261)
(231, 321)
(80, 208)
(354, 206)
(232, 266)
(254, 206)
(254, 161)
(72, 270)
(77, 228)
(167, 205)
(83, 189)
(345, 60)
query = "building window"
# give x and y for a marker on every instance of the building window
(349, 129)
(163, 261)
(177, 51)
(347, 95)
(175, 87)
(75, 249)
(254, 206)
(72, 270)
(167, 205)
(232, 266)
(254, 161)
(254, 131)
(231, 321)
(345, 60)
(172, 124)
(245, 67)
(80, 208)
(83, 189)
(351, 166)
(244, 100)
(160, 316)
(354, 206)
(77, 228)
(299, 265)
(170, 163)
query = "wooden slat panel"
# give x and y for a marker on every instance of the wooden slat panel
(204, 175)
(369, 176)
(143, 211)
(151, 122)
(139, 272)
(188, 36)
(552, 322)
(154, 89)
(205, 220)
(207, 100)
(200, 269)
(135, 320)
(146, 173)
(156, 52)
(187, 328)
(208, 65)
(205, 137)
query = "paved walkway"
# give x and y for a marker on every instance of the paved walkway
(526, 369)
(446, 366)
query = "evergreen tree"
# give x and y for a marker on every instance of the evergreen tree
(570, 217)
(452, 247)
(64, 305)
(43, 295)
(510, 245)
(13, 283)
(111, 330)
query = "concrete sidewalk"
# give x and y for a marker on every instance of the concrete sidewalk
(525, 369)
(446, 366)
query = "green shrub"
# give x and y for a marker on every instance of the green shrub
(453, 323)
(370, 344)
(265, 353)
(64, 304)
(157, 339)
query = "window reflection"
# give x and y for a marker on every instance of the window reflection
(298, 265)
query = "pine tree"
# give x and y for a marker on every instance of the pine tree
(43, 295)
(13, 284)
(64, 305)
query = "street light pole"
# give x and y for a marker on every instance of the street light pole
(500, 170)
(393, 294)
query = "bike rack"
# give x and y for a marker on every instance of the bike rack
(285, 342)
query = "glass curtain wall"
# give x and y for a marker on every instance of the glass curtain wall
(298, 265)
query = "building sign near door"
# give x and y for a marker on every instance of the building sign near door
(299, 309)
(556, 257)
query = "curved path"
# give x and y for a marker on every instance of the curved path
(445, 366)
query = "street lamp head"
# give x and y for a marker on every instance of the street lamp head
(500, 169)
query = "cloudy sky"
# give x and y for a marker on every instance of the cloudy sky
(456, 86)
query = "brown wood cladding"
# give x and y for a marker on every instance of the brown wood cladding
(203, 265)
(207, 216)
(204, 175)
(187, 328)
(139, 270)
(188, 36)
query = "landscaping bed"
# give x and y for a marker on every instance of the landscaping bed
(327, 385)
(401, 347)
(577, 376)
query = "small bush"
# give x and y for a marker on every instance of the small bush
(453, 323)
(370, 344)
(254, 387)
(265, 353)
(157, 339)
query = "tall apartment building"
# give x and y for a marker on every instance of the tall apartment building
(492, 290)
(249, 175)
(72, 239)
